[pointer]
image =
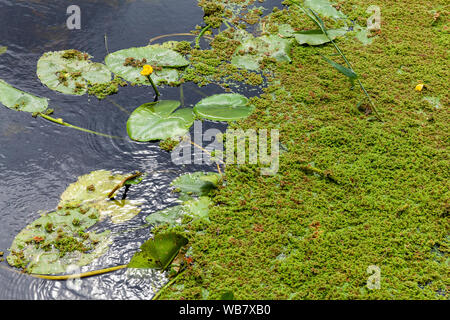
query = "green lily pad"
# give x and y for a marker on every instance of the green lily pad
(3, 49)
(198, 209)
(317, 37)
(194, 208)
(71, 71)
(92, 190)
(16, 99)
(324, 8)
(362, 35)
(286, 30)
(224, 107)
(252, 51)
(170, 216)
(158, 121)
(197, 183)
(154, 55)
(57, 240)
(158, 252)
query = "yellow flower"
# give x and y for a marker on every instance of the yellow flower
(147, 70)
(419, 87)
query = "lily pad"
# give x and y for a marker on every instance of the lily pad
(57, 240)
(92, 190)
(16, 99)
(158, 121)
(194, 208)
(198, 209)
(252, 51)
(317, 37)
(71, 71)
(197, 183)
(362, 34)
(168, 60)
(224, 107)
(158, 252)
(324, 8)
(170, 216)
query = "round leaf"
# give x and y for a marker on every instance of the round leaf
(317, 37)
(70, 71)
(158, 121)
(253, 50)
(224, 107)
(197, 183)
(158, 56)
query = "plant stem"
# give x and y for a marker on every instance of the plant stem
(197, 40)
(122, 183)
(80, 275)
(322, 27)
(61, 122)
(168, 284)
(153, 85)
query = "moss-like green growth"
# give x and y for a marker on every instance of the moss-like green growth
(102, 90)
(169, 144)
(300, 235)
(75, 54)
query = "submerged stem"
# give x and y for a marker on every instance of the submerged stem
(80, 275)
(61, 122)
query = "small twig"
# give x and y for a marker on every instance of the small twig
(122, 183)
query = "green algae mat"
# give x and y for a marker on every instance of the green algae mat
(300, 235)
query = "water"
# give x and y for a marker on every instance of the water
(39, 159)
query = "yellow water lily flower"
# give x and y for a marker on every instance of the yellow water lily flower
(147, 70)
(419, 87)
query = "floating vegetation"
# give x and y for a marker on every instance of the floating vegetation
(252, 51)
(198, 184)
(128, 64)
(58, 239)
(224, 107)
(94, 190)
(18, 100)
(317, 37)
(158, 252)
(61, 238)
(102, 90)
(71, 72)
(158, 121)
(3, 49)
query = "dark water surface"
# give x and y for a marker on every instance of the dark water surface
(39, 159)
